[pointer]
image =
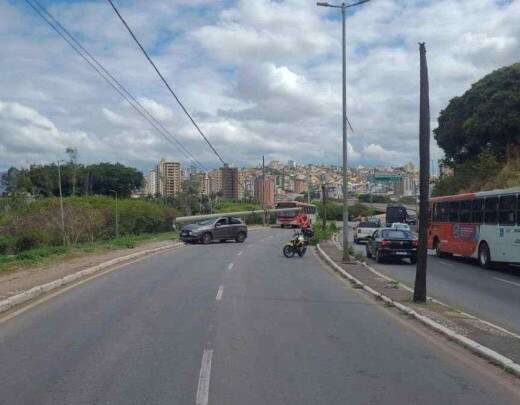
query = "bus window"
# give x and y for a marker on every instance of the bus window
(454, 211)
(465, 211)
(506, 209)
(444, 212)
(478, 211)
(491, 213)
(437, 212)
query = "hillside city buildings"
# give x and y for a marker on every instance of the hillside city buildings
(282, 181)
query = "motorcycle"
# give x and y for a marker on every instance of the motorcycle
(298, 244)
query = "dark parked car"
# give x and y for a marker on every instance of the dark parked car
(219, 229)
(392, 243)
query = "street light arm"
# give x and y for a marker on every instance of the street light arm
(322, 4)
(357, 4)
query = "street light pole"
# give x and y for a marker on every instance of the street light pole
(61, 206)
(117, 215)
(343, 8)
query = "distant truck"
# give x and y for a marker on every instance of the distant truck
(366, 229)
(396, 213)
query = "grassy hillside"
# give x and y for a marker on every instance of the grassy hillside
(487, 172)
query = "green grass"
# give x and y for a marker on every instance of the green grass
(231, 206)
(48, 255)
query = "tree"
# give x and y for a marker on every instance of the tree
(108, 176)
(487, 116)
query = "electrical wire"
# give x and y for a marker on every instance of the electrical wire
(165, 82)
(107, 76)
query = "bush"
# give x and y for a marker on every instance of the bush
(6, 245)
(322, 233)
(29, 240)
(87, 219)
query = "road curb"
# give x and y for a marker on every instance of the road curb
(431, 299)
(483, 351)
(23, 297)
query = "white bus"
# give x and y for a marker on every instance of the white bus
(483, 225)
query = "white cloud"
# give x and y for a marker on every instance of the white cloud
(260, 77)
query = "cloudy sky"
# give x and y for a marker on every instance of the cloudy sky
(259, 76)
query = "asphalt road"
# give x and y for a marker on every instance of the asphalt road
(493, 295)
(232, 324)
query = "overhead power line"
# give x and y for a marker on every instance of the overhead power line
(165, 82)
(109, 78)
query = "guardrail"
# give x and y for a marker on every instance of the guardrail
(194, 218)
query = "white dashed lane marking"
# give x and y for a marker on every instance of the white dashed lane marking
(507, 281)
(204, 377)
(219, 293)
(230, 266)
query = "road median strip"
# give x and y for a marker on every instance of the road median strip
(372, 281)
(35, 292)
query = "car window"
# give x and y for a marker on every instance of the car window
(234, 221)
(396, 234)
(222, 221)
(207, 221)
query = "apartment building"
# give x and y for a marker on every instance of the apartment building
(169, 178)
(264, 191)
(230, 185)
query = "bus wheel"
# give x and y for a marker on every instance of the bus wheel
(484, 256)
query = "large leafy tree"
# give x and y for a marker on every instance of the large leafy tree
(99, 178)
(486, 117)
(105, 177)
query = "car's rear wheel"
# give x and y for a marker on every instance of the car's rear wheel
(241, 237)
(484, 256)
(206, 238)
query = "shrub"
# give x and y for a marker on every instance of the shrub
(6, 245)
(322, 233)
(87, 219)
(30, 239)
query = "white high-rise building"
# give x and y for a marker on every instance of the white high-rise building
(151, 182)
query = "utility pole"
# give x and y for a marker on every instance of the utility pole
(308, 188)
(263, 190)
(117, 215)
(61, 207)
(419, 293)
(343, 7)
(323, 202)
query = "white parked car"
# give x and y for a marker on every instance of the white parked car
(364, 230)
(400, 226)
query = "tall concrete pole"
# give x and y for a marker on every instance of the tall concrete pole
(263, 190)
(345, 145)
(419, 294)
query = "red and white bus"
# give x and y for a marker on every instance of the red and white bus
(303, 213)
(483, 225)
